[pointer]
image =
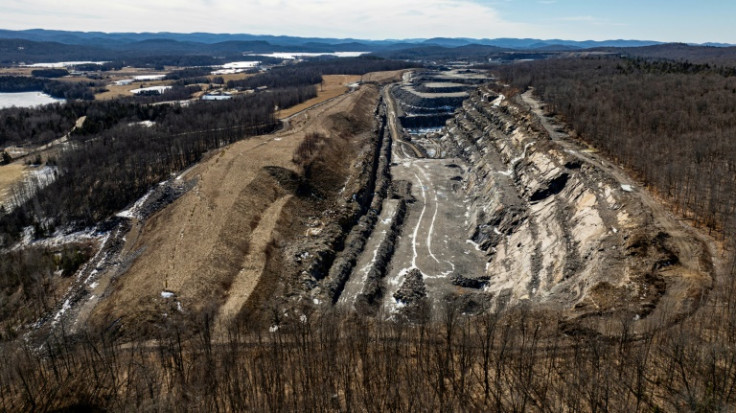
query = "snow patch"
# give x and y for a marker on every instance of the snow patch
(134, 211)
(64, 308)
(149, 77)
(159, 89)
(144, 123)
(475, 244)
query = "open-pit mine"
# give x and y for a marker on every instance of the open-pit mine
(417, 190)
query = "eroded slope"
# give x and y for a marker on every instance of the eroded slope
(228, 244)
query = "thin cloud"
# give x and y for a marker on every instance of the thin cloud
(328, 18)
(591, 20)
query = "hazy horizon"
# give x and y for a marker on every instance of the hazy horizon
(579, 20)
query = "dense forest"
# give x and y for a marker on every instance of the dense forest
(303, 361)
(672, 123)
(36, 126)
(680, 52)
(329, 65)
(115, 161)
(279, 77)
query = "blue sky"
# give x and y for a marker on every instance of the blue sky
(675, 20)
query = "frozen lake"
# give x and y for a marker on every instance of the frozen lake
(26, 99)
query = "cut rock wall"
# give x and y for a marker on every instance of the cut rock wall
(557, 228)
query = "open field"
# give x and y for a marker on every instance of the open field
(332, 86)
(336, 85)
(117, 91)
(232, 76)
(15, 71)
(9, 175)
(383, 78)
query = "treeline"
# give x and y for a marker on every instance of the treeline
(55, 88)
(10, 84)
(280, 77)
(188, 72)
(50, 73)
(114, 161)
(716, 56)
(190, 76)
(516, 361)
(178, 91)
(356, 65)
(671, 123)
(467, 53)
(40, 125)
(158, 61)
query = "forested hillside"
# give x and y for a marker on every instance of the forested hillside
(672, 123)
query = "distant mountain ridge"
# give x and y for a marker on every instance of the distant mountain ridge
(120, 39)
(38, 45)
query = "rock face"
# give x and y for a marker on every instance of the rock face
(412, 297)
(563, 227)
(412, 290)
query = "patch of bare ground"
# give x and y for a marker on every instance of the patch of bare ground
(114, 91)
(9, 175)
(331, 87)
(222, 246)
(231, 76)
(383, 78)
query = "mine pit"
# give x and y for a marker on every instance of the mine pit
(506, 209)
(435, 189)
(427, 100)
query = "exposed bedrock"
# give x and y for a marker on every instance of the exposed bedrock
(561, 227)
(412, 297)
(370, 199)
(410, 97)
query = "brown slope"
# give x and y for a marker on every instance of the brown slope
(213, 246)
